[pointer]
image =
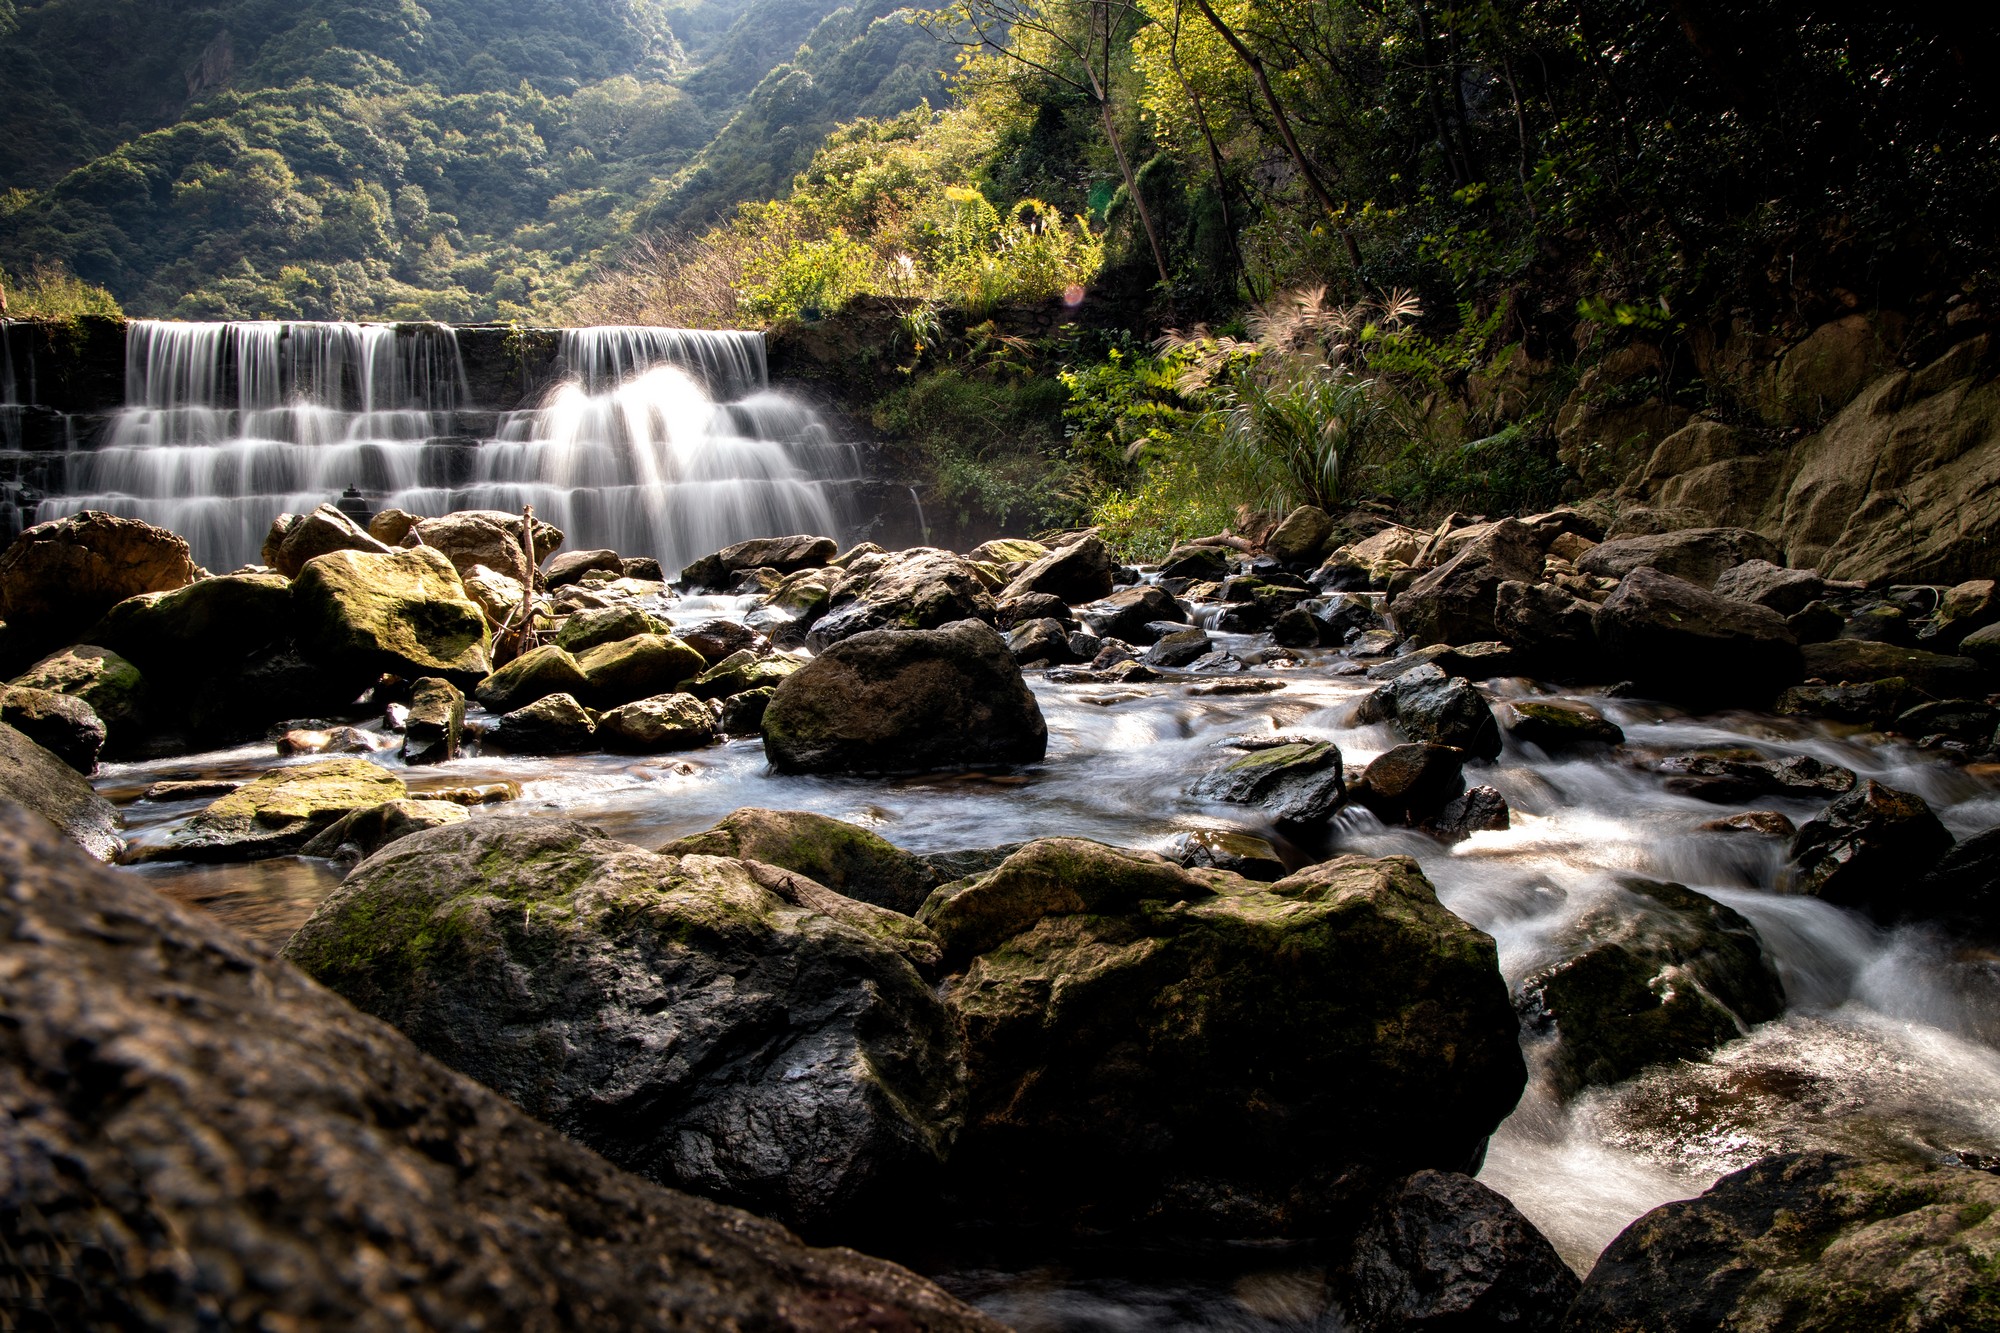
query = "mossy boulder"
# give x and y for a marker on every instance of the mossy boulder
(724, 1026)
(435, 727)
(405, 613)
(844, 857)
(1191, 1049)
(1658, 973)
(38, 781)
(554, 724)
(1558, 724)
(663, 722)
(62, 724)
(1008, 551)
(637, 668)
(1079, 572)
(1297, 784)
(362, 833)
(279, 812)
(1810, 1241)
(604, 624)
(741, 671)
(895, 701)
(535, 674)
(188, 633)
(113, 687)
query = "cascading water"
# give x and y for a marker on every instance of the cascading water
(660, 442)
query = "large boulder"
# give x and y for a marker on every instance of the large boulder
(489, 537)
(404, 613)
(651, 726)
(112, 686)
(1301, 537)
(1786, 591)
(1682, 642)
(844, 857)
(637, 668)
(1426, 705)
(921, 588)
(1442, 1253)
(59, 577)
(279, 812)
(787, 555)
(1659, 973)
(1857, 661)
(725, 1026)
(554, 724)
(1079, 572)
(1548, 628)
(296, 539)
(187, 634)
(1808, 1240)
(608, 624)
(1865, 849)
(1298, 784)
(1454, 603)
(1698, 555)
(1201, 1051)
(571, 566)
(535, 674)
(313, 1168)
(1130, 615)
(41, 783)
(894, 701)
(62, 724)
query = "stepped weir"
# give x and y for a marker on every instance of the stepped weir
(649, 441)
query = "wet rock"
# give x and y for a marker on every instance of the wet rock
(922, 588)
(1239, 853)
(844, 857)
(1865, 849)
(1040, 641)
(743, 713)
(62, 724)
(190, 789)
(39, 782)
(1880, 623)
(786, 555)
(742, 672)
(1443, 1252)
(404, 613)
(643, 567)
(1806, 1241)
(1853, 661)
(362, 833)
(1818, 623)
(1342, 616)
(1474, 661)
(1480, 809)
(1010, 612)
(555, 724)
(1549, 628)
(1864, 701)
(1961, 719)
(1961, 891)
(1695, 555)
(1731, 776)
(1659, 973)
(693, 997)
(435, 726)
(1209, 564)
(1148, 1042)
(1764, 823)
(1079, 572)
(1296, 628)
(1085, 647)
(1682, 642)
(637, 668)
(331, 740)
(1427, 705)
(471, 1214)
(1454, 603)
(1297, 784)
(278, 813)
(110, 685)
(1558, 724)
(1301, 537)
(489, 537)
(906, 701)
(390, 526)
(653, 726)
(533, 675)
(58, 577)
(1786, 591)
(1179, 649)
(1372, 643)
(571, 566)
(715, 639)
(296, 539)
(1410, 783)
(1129, 615)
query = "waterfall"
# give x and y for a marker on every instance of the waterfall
(661, 442)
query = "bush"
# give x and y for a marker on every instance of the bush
(49, 291)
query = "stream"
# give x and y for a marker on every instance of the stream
(1890, 1041)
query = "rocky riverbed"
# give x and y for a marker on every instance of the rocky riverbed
(1362, 928)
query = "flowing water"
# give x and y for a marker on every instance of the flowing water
(660, 442)
(1889, 1041)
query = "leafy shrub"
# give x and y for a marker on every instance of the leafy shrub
(49, 291)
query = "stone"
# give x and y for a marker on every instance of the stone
(1012, 611)
(1821, 374)
(906, 701)
(490, 537)
(713, 639)
(1040, 642)
(1696, 555)
(62, 724)
(1881, 623)
(1410, 783)
(786, 555)
(1727, 776)
(278, 812)
(743, 713)
(1128, 615)
(642, 567)
(390, 526)
(361, 833)
(1442, 1251)
(1297, 784)
(1961, 891)
(277, 1134)
(1007, 551)
(1301, 537)
(1967, 720)
(742, 672)
(533, 675)
(1865, 849)
(404, 613)
(571, 566)
(180, 637)
(1209, 564)
(1209, 1054)
(1178, 649)
(1480, 809)
(1682, 642)
(39, 782)
(1079, 572)
(1867, 701)
(1296, 628)
(922, 588)
(1810, 1240)
(330, 740)
(498, 596)
(1786, 591)
(1426, 705)
(296, 539)
(58, 577)
(637, 668)
(1474, 661)
(435, 727)
(1239, 853)
(1557, 724)
(844, 857)
(726, 1026)
(1656, 973)
(554, 724)
(110, 685)
(1548, 627)
(653, 726)
(1454, 603)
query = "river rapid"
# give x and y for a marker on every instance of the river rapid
(1890, 1040)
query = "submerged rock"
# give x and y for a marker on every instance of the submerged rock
(1865, 849)
(38, 781)
(278, 813)
(844, 857)
(726, 1026)
(276, 1134)
(1297, 784)
(906, 701)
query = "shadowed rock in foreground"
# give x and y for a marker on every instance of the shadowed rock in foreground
(197, 1135)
